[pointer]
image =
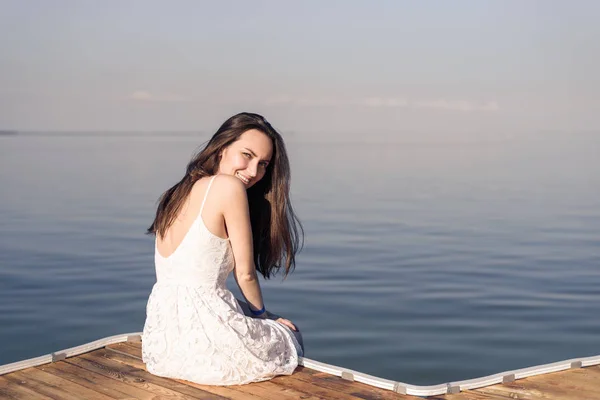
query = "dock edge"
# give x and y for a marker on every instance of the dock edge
(348, 374)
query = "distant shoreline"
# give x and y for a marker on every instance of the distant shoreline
(8, 133)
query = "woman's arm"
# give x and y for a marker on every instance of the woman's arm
(237, 221)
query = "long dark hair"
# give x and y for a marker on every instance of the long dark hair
(276, 231)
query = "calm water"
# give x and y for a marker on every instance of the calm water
(423, 262)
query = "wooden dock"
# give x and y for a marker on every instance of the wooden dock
(116, 371)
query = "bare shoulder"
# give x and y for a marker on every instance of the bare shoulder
(228, 185)
(228, 188)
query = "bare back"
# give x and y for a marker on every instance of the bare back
(212, 216)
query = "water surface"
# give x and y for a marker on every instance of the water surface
(424, 261)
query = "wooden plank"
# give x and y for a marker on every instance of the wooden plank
(135, 377)
(270, 390)
(356, 389)
(12, 390)
(593, 369)
(135, 344)
(512, 392)
(588, 373)
(126, 348)
(124, 359)
(100, 383)
(53, 386)
(581, 381)
(527, 390)
(310, 389)
(556, 385)
(568, 383)
(471, 395)
(175, 384)
(139, 370)
(225, 391)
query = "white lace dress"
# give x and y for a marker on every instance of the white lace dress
(196, 330)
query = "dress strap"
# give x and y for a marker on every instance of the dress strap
(206, 194)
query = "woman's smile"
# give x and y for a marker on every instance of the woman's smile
(243, 178)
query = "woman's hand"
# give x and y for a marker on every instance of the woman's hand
(269, 315)
(287, 323)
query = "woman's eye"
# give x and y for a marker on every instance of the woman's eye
(247, 155)
(264, 164)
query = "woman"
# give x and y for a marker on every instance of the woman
(230, 212)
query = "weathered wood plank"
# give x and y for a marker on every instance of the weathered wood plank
(594, 369)
(512, 392)
(53, 386)
(126, 348)
(12, 390)
(180, 385)
(270, 390)
(525, 389)
(310, 389)
(225, 391)
(139, 370)
(356, 389)
(135, 345)
(101, 383)
(588, 375)
(124, 359)
(552, 389)
(581, 383)
(133, 376)
(470, 395)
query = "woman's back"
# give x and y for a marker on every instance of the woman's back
(190, 253)
(212, 216)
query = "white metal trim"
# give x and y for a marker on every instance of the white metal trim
(444, 388)
(70, 352)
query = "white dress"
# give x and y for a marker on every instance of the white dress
(196, 330)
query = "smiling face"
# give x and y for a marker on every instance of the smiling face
(248, 157)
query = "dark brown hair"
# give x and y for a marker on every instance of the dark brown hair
(276, 230)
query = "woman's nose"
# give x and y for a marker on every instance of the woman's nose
(252, 168)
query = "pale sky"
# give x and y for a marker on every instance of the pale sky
(311, 67)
